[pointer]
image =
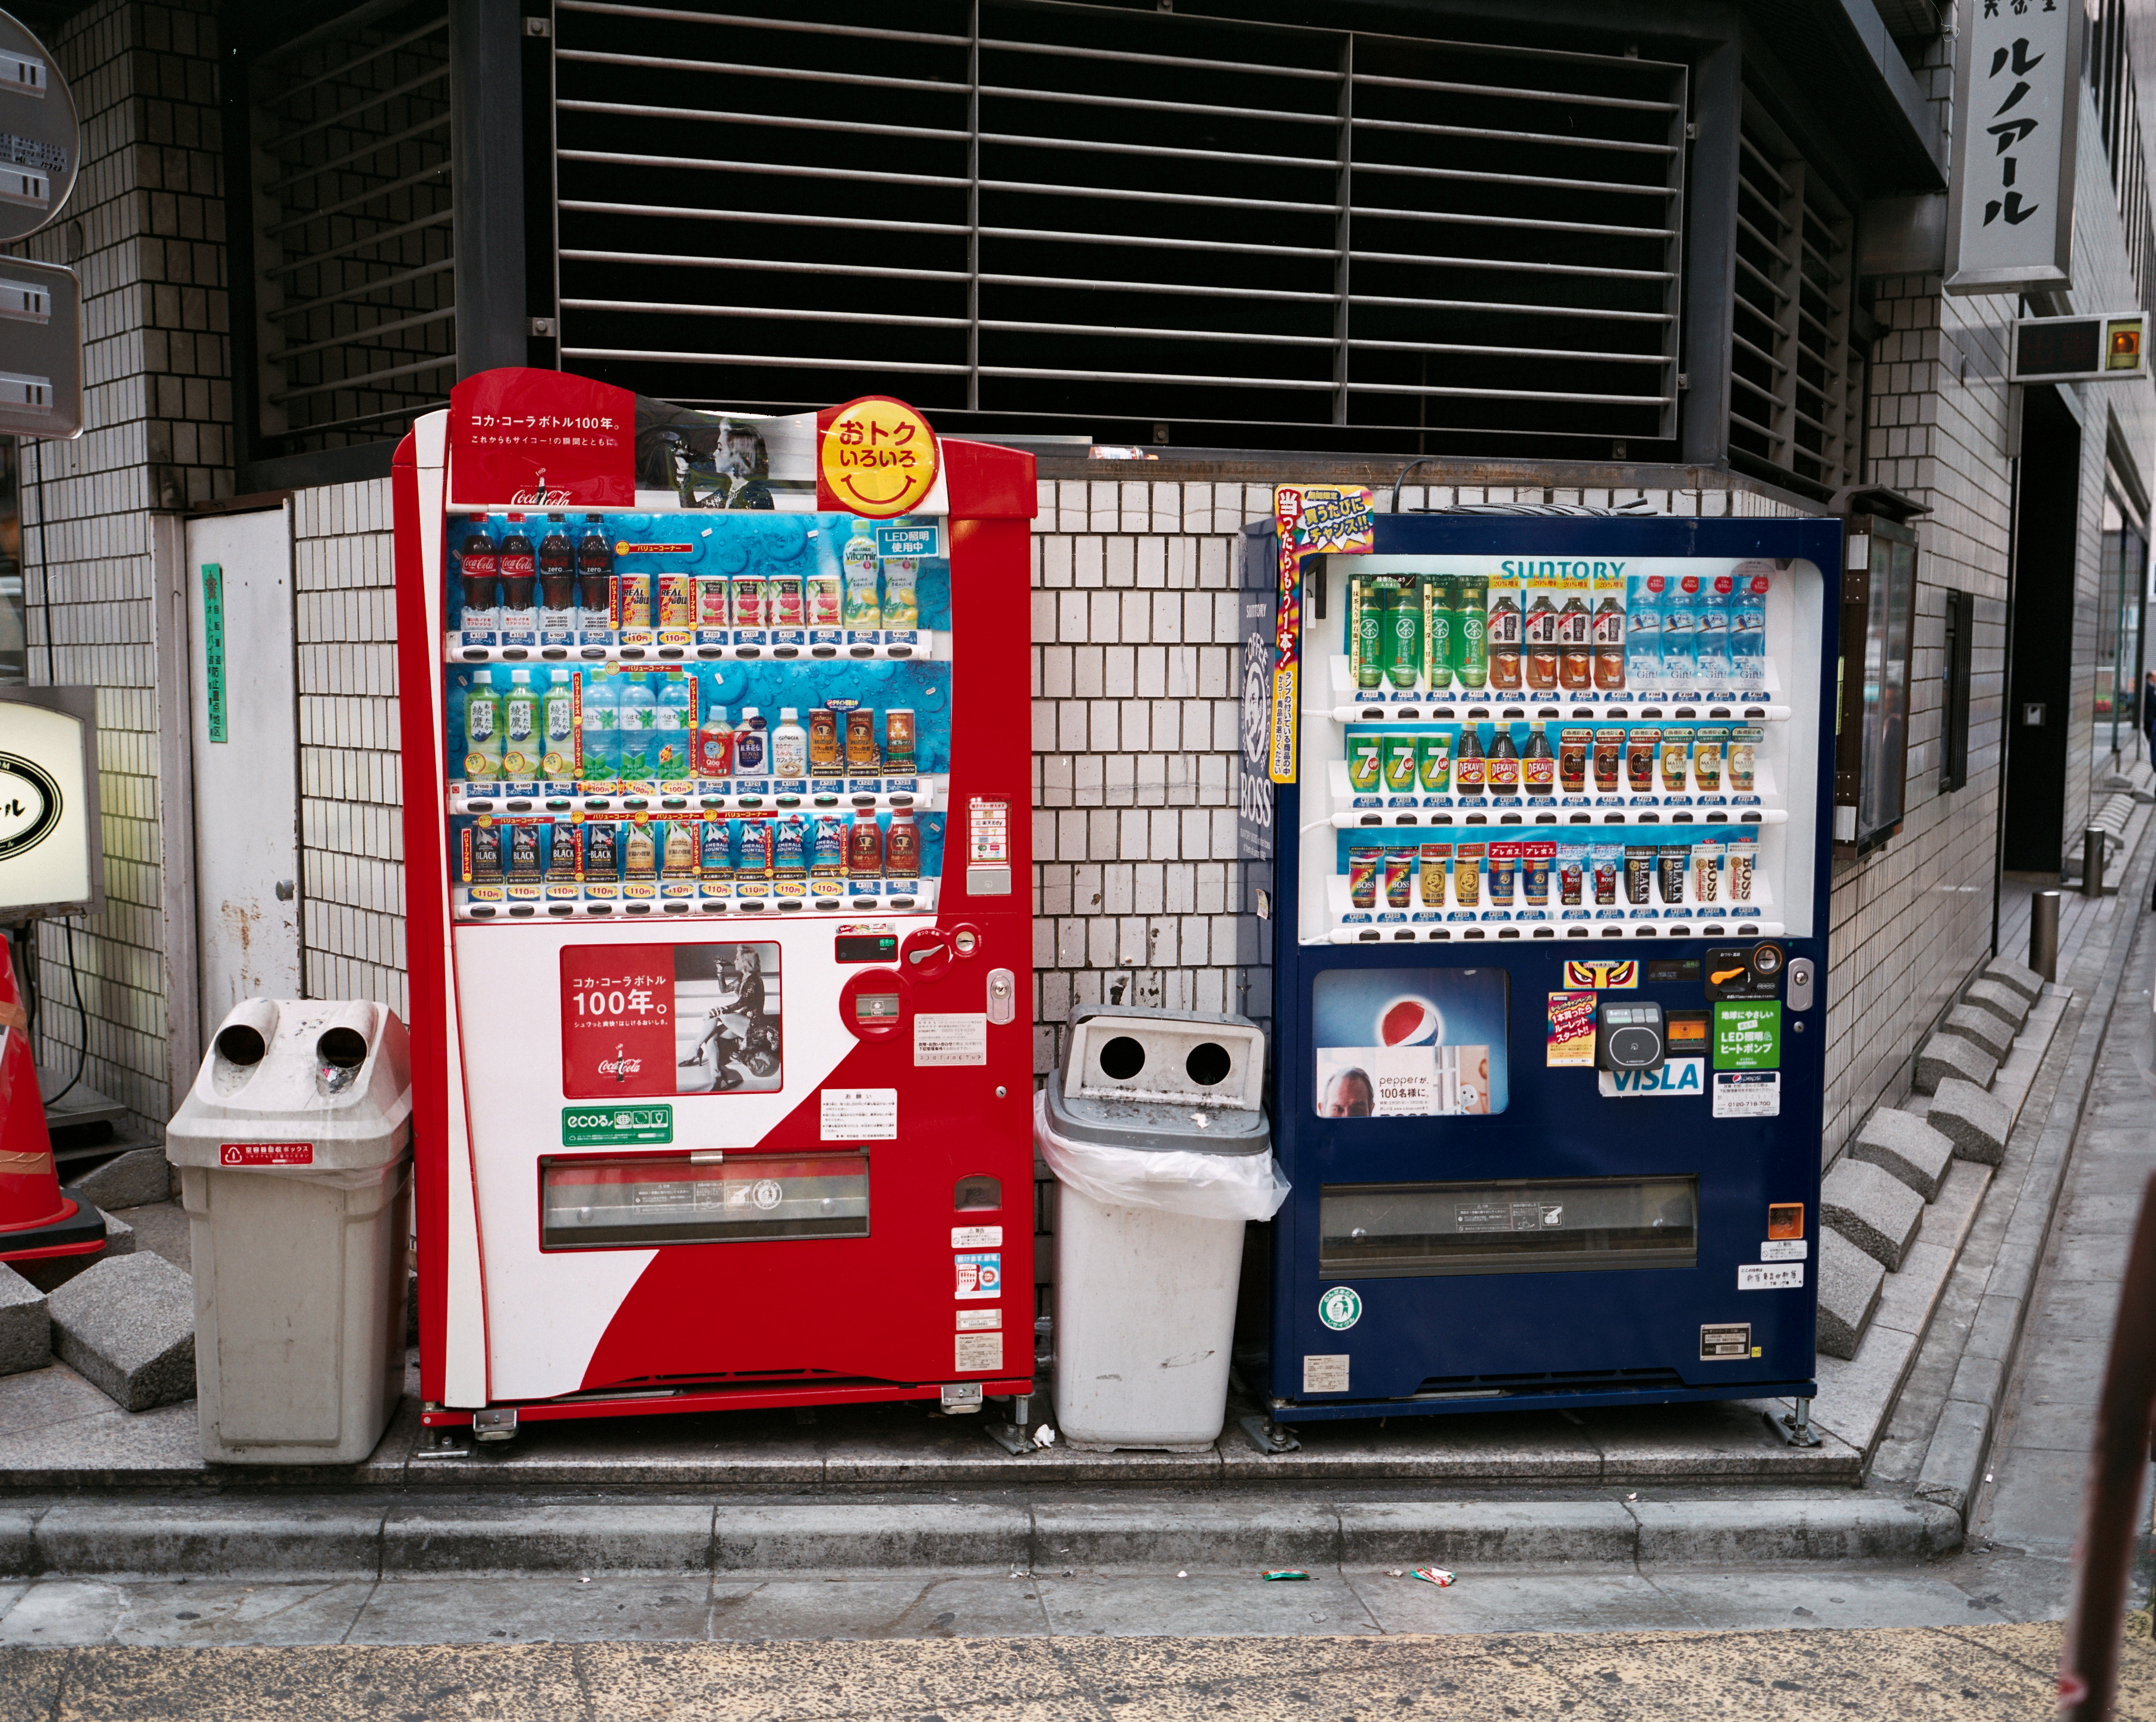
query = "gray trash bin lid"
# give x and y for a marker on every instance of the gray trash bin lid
(1155, 1126)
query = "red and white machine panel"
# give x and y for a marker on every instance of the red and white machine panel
(717, 828)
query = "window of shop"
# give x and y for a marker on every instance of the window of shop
(2124, 576)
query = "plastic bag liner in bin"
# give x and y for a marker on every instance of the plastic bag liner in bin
(1117, 1153)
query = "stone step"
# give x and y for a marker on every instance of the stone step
(1873, 1209)
(1973, 1023)
(1904, 1144)
(1849, 1285)
(127, 1326)
(139, 1177)
(1977, 1123)
(2002, 1001)
(2019, 975)
(1946, 1057)
(26, 1327)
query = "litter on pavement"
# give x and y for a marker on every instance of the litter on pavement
(1434, 1575)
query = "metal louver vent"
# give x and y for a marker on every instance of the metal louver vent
(1069, 218)
(354, 289)
(1796, 394)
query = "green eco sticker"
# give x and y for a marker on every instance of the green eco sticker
(1340, 1308)
(1747, 1035)
(615, 1126)
(213, 579)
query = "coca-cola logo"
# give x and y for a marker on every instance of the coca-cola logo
(620, 1067)
(539, 497)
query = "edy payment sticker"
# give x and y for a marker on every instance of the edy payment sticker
(980, 1274)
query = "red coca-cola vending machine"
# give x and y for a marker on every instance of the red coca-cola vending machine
(718, 906)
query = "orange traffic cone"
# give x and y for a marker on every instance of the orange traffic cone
(37, 1218)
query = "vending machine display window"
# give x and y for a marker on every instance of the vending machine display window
(1410, 1042)
(634, 1204)
(1524, 1225)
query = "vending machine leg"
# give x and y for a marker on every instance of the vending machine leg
(1796, 1428)
(1013, 1436)
(1267, 1436)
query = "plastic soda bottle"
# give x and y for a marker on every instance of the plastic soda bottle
(671, 734)
(520, 586)
(519, 726)
(639, 720)
(1609, 630)
(1679, 661)
(557, 585)
(1402, 632)
(715, 748)
(594, 584)
(1642, 630)
(1710, 632)
(1748, 629)
(557, 755)
(479, 569)
(599, 761)
(483, 727)
(1440, 618)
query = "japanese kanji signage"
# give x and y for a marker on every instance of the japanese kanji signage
(876, 456)
(1314, 520)
(2016, 101)
(541, 438)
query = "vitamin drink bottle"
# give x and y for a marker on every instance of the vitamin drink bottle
(479, 572)
(1538, 764)
(483, 733)
(520, 586)
(639, 721)
(1469, 768)
(598, 764)
(594, 584)
(1504, 767)
(1575, 645)
(1472, 664)
(1609, 630)
(519, 729)
(714, 751)
(558, 584)
(1403, 632)
(859, 605)
(671, 730)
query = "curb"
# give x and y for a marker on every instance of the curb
(1960, 1442)
(339, 1539)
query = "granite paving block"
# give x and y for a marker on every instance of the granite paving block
(2023, 979)
(54, 1272)
(25, 1329)
(2002, 1001)
(1904, 1144)
(1976, 1123)
(1849, 1283)
(1873, 1209)
(1981, 1027)
(127, 1325)
(134, 1179)
(1946, 1057)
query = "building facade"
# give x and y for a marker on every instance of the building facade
(1683, 253)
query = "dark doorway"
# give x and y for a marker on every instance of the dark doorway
(2040, 684)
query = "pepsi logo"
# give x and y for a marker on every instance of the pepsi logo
(1410, 1020)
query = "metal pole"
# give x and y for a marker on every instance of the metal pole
(2044, 934)
(2092, 862)
(2088, 1669)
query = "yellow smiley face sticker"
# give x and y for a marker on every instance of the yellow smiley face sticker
(877, 456)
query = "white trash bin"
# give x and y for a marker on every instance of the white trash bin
(295, 1150)
(1161, 1154)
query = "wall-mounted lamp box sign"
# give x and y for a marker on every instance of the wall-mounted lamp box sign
(2109, 347)
(51, 851)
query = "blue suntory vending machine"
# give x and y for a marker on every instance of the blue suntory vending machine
(1538, 805)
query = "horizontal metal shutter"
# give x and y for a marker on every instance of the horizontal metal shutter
(354, 281)
(1068, 217)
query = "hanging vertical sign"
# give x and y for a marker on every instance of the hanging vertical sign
(1314, 520)
(2016, 102)
(212, 575)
